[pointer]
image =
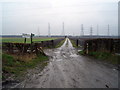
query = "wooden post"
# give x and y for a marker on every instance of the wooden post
(24, 48)
(77, 42)
(25, 40)
(11, 47)
(87, 48)
(52, 41)
(31, 43)
(42, 44)
(36, 48)
(31, 38)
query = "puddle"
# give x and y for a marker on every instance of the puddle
(74, 55)
(57, 52)
(59, 60)
(79, 50)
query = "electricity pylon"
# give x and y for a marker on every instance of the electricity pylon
(82, 30)
(91, 31)
(63, 32)
(49, 34)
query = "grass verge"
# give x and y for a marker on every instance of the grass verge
(104, 56)
(74, 44)
(60, 44)
(28, 40)
(12, 66)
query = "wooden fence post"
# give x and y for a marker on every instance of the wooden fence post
(52, 43)
(77, 42)
(25, 40)
(87, 49)
(36, 48)
(31, 38)
(11, 48)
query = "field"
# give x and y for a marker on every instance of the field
(21, 40)
(16, 64)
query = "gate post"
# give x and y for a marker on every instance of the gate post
(77, 42)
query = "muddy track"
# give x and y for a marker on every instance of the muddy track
(66, 69)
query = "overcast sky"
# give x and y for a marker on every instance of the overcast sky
(26, 16)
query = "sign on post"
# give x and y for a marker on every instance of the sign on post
(26, 35)
(32, 35)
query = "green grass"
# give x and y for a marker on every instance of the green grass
(21, 40)
(81, 53)
(73, 43)
(12, 66)
(105, 56)
(60, 44)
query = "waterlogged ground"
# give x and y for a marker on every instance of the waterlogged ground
(66, 69)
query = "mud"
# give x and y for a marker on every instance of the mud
(67, 69)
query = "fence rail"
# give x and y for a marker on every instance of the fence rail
(100, 44)
(35, 47)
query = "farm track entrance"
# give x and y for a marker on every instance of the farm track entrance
(66, 69)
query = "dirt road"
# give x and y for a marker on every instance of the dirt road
(66, 69)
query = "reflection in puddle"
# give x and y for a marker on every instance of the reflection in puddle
(59, 60)
(73, 55)
(57, 52)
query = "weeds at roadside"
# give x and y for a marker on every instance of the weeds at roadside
(105, 56)
(74, 44)
(13, 66)
(60, 44)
